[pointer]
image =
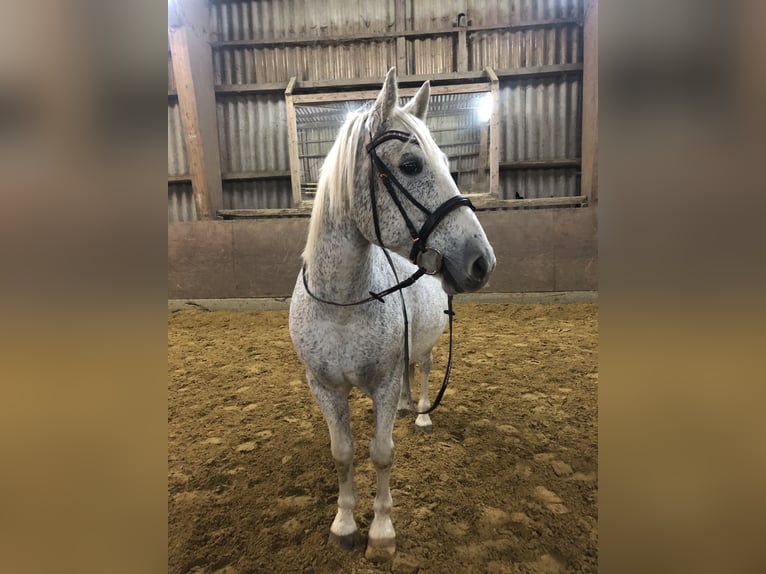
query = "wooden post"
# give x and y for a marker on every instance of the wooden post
(494, 135)
(193, 71)
(481, 175)
(292, 144)
(589, 142)
(462, 44)
(401, 42)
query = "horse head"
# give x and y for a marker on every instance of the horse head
(406, 200)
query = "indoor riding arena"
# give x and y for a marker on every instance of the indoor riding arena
(506, 480)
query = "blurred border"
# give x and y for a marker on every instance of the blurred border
(83, 244)
(84, 298)
(682, 285)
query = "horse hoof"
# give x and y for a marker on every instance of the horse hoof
(380, 550)
(401, 413)
(425, 428)
(346, 541)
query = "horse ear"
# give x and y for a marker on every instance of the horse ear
(418, 106)
(385, 103)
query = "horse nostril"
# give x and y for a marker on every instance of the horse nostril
(479, 268)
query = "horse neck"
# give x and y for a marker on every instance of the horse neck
(340, 267)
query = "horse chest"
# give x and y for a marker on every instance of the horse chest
(354, 348)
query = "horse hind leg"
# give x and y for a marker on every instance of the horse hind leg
(334, 405)
(423, 422)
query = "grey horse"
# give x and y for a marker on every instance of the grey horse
(383, 179)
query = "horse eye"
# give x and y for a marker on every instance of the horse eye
(411, 167)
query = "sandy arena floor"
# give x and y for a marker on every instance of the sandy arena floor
(507, 481)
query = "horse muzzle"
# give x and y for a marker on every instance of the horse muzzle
(469, 272)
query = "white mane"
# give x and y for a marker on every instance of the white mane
(335, 190)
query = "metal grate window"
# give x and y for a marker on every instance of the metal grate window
(459, 123)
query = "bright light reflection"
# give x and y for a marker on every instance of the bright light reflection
(484, 109)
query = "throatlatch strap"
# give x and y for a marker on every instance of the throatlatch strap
(373, 296)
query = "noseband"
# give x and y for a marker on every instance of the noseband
(426, 258)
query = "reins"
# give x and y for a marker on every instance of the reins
(373, 296)
(428, 260)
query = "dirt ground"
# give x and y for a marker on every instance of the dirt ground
(507, 481)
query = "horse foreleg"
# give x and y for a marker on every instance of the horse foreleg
(381, 543)
(423, 422)
(335, 408)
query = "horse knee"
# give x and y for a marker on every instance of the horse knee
(382, 453)
(342, 453)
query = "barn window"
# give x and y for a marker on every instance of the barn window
(460, 117)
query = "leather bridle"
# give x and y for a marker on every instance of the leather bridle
(428, 259)
(419, 253)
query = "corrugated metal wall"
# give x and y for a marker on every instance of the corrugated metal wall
(539, 118)
(279, 64)
(252, 133)
(282, 19)
(511, 50)
(180, 202)
(279, 19)
(177, 163)
(261, 194)
(540, 121)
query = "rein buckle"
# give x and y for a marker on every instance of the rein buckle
(429, 260)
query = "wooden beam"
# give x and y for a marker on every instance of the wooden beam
(491, 74)
(260, 213)
(236, 89)
(481, 202)
(494, 134)
(330, 40)
(375, 83)
(461, 65)
(238, 176)
(541, 164)
(342, 96)
(256, 175)
(531, 25)
(487, 203)
(292, 144)
(193, 72)
(589, 142)
(478, 77)
(483, 164)
(401, 41)
(531, 71)
(389, 36)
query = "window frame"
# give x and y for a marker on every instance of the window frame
(466, 86)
